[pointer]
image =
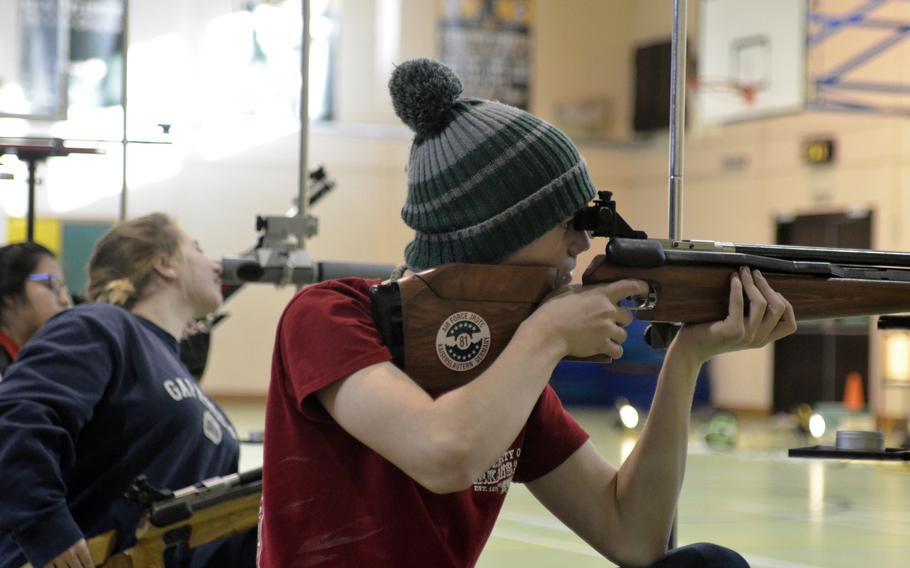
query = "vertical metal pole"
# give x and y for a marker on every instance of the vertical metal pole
(303, 164)
(32, 181)
(677, 135)
(677, 117)
(125, 39)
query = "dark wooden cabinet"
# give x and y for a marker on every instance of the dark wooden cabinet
(812, 365)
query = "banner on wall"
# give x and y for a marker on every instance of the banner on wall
(42, 60)
(96, 52)
(69, 52)
(488, 44)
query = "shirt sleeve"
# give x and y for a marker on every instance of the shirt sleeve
(326, 334)
(46, 398)
(551, 436)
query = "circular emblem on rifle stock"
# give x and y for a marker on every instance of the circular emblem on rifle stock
(463, 341)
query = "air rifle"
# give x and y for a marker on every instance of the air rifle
(444, 326)
(279, 256)
(192, 516)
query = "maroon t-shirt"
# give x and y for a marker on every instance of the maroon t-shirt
(328, 500)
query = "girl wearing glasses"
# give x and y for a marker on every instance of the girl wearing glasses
(99, 396)
(32, 290)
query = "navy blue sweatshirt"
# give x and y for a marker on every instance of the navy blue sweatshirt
(96, 398)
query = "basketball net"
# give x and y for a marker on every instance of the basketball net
(746, 91)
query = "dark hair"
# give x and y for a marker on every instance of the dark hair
(17, 263)
(120, 269)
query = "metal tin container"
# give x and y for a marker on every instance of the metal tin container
(860, 441)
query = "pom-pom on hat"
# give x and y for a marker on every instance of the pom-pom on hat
(484, 178)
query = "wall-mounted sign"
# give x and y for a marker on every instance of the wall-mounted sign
(488, 44)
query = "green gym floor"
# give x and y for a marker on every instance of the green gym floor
(776, 511)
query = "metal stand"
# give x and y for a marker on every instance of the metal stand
(32, 151)
(834, 452)
(32, 160)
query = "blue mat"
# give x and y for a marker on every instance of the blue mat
(634, 377)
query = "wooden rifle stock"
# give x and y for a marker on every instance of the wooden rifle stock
(701, 293)
(452, 321)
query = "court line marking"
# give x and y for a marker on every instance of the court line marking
(554, 524)
(545, 542)
(849, 519)
(547, 522)
(764, 562)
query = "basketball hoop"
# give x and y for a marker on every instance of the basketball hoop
(748, 93)
(745, 91)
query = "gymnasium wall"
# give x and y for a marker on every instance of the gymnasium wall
(739, 177)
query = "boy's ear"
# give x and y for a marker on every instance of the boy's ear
(164, 267)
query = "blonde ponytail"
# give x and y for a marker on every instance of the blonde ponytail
(121, 267)
(118, 292)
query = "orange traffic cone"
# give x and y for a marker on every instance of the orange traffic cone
(854, 399)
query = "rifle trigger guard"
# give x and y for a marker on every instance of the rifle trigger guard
(644, 302)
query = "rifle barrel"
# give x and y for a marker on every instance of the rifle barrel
(654, 252)
(822, 254)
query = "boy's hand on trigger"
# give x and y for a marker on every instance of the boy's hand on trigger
(588, 319)
(770, 318)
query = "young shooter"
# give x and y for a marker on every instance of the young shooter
(364, 468)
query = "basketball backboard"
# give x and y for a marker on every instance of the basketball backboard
(759, 59)
(751, 59)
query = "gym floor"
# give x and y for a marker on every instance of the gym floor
(778, 512)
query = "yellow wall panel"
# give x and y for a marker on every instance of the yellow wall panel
(48, 232)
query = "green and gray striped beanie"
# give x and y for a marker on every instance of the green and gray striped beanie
(484, 178)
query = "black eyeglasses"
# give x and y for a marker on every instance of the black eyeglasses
(51, 281)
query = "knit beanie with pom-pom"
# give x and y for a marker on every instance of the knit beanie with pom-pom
(484, 178)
